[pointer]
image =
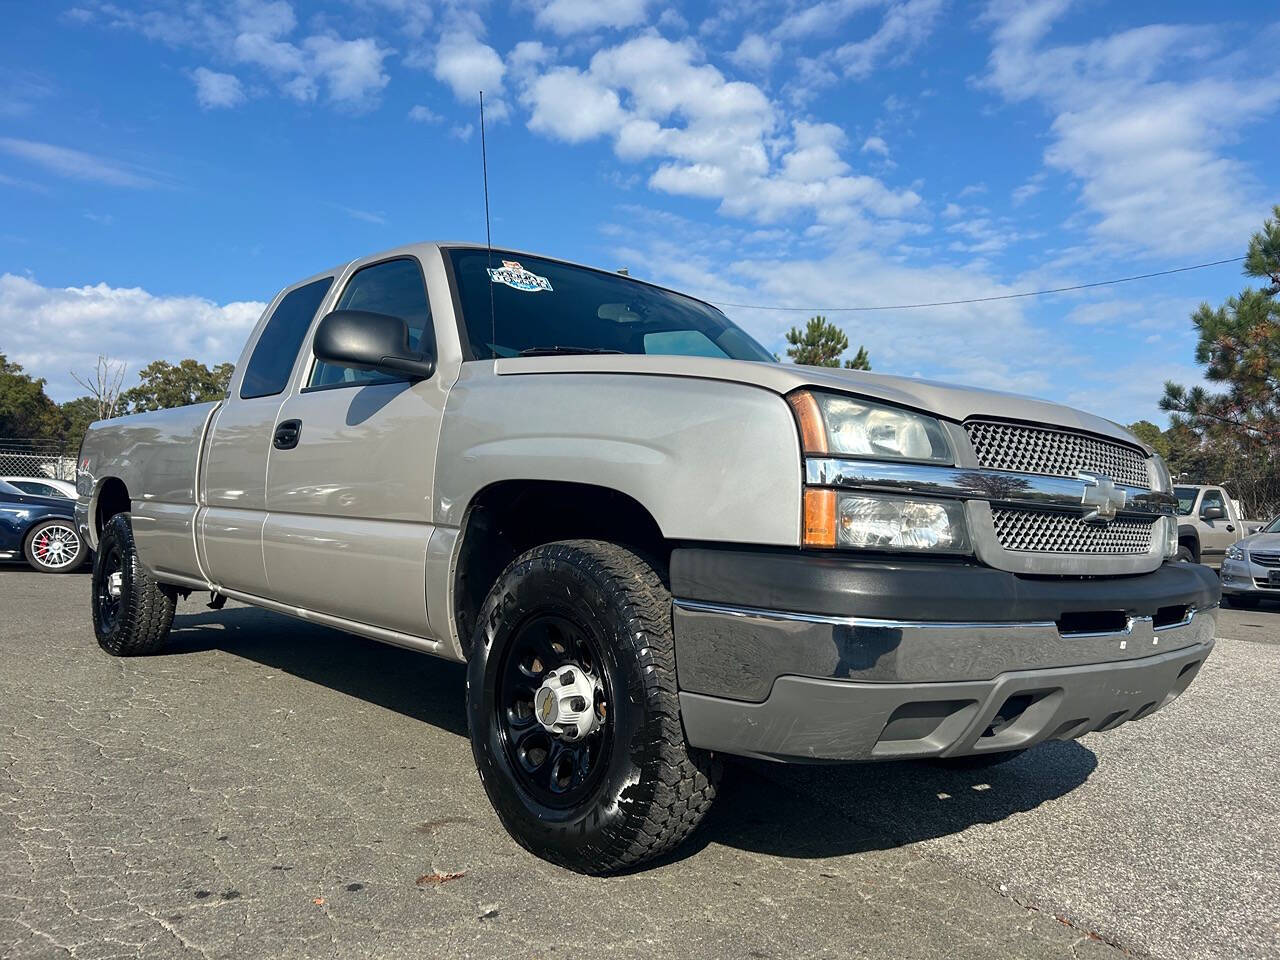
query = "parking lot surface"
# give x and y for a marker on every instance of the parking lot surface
(268, 788)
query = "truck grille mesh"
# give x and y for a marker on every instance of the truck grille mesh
(1038, 531)
(1054, 453)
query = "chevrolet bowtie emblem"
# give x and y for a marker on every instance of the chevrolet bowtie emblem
(1102, 494)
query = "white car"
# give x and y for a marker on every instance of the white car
(1251, 568)
(43, 487)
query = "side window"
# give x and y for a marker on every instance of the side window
(267, 372)
(1212, 498)
(393, 287)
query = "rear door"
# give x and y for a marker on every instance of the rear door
(349, 502)
(234, 488)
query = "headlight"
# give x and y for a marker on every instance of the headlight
(845, 426)
(1236, 552)
(866, 522)
(1158, 473)
(1170, 536)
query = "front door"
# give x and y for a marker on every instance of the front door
(1215, 535)
(349, 503)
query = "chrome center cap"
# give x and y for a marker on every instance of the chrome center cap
(565, 704)
(115, 584)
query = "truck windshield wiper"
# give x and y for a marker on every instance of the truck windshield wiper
(561, 351)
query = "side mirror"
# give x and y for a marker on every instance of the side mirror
(1212, 513)
(370, 341)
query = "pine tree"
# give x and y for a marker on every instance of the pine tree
(821, 344)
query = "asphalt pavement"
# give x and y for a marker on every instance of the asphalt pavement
(268, 788)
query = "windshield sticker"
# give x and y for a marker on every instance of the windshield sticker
(517, 277)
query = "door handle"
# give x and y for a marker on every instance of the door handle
(287, 434)
(1231, 528)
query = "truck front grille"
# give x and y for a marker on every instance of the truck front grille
(1265, 558)
(1039, 531)
(1054, 453)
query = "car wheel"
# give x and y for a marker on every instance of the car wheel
(54, 546)
(574, 714)
(1185, 555)
(132, 613)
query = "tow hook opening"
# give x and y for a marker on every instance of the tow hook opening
(1093, 622)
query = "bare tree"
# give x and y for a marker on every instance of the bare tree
(104, 386)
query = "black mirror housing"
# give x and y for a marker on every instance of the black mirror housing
(1212, 513)
(370, 341)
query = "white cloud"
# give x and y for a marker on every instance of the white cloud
(755, 52)
(1033, 185)
(214, 90)
(577, 16)
(904, 28)
(468, 66)
(78, 165)
(424, 114)
(821, 18)
(53, 330)
(875, 145)
(351, 69)
(710, 137)
(1142, 118)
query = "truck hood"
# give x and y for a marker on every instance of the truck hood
(940, 399)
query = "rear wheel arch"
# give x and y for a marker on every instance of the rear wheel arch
(112, 497)
(506, 518)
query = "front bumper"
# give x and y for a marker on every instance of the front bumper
(1247, 577)
(908, 659)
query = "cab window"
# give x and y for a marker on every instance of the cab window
(1212, 498)
(396, 288)
(267, 372)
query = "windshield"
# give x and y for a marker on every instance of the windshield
(544, 306)
(1186, 499)
(1272, 527)
(10, 489)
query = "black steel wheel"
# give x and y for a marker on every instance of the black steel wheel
(132, 613)
(574, 713)
(557, 771)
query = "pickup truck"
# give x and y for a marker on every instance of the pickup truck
(652, 544)
(1209, 522)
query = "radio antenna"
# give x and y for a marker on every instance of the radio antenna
(488, 237)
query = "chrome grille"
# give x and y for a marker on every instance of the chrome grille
(1039, 531)
(1054, 453)
(1265, 558)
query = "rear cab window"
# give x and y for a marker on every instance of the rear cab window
(267, 372)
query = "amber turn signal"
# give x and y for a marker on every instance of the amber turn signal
(813, 432)
(820, 518)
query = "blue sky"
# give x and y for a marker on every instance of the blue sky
(165, 167)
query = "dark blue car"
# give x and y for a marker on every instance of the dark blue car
(40, 530)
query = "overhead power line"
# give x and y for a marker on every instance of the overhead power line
(1004, 296)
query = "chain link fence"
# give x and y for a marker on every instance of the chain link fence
(1259, 495)
(52, 459)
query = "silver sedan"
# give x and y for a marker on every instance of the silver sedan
(1251, 567)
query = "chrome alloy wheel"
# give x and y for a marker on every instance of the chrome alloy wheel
(56, 546)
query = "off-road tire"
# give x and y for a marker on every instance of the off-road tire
(653, 789)
(146, 607)
(29, 548)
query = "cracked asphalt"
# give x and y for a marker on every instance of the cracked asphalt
(268, 788)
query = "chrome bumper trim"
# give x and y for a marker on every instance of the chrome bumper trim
(966, 483)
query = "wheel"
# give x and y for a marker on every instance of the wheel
(573, 710)
(132, 613)
(1242, 600)
(1185, 555)
(978, 761)
(53, 546)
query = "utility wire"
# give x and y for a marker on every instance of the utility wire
(1006, 296)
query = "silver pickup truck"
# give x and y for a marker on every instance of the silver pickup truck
(651, 543)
